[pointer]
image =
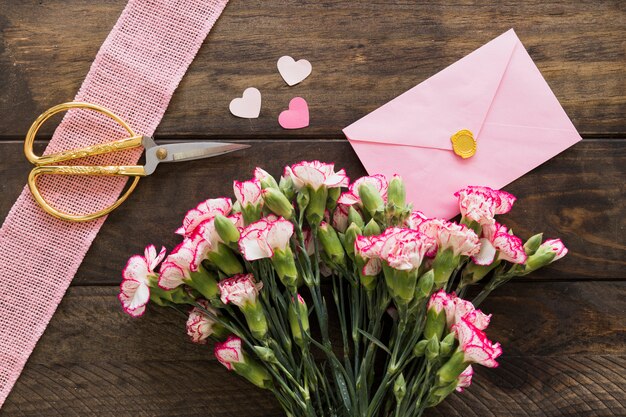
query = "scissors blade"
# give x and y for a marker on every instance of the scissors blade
(179, 152)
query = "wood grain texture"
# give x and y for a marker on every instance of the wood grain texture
(577, 196)
(95, 360)
(363, 53)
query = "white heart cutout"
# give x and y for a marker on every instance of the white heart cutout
(247, 106)
(292, 71)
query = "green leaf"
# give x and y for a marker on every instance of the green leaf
(375, 341)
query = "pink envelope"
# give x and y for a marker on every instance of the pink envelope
(497, 93)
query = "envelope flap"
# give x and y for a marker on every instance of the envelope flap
(456, 98)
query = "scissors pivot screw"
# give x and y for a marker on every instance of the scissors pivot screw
(161, 154)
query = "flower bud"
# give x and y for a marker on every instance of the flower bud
(333, 196)
(277, 202)
(371, 229)
(349, 238)
(303, 198)
(473, 273)
(551, 250)
(399, 388)
(355, 217)
(267, 181)
(226, 229)
(225, 260)
(396, 194)
(285, 266)
(435, 324)
(317, 206)
(420, 348)
(432, 350)
(533, 243)
(425, 284)
(230, 354)
(286, 186)
(371, 199)
(446, 345)
(299, 315)
(331, 244)
(265, 354)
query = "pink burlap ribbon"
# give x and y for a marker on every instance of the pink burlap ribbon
(134, 74)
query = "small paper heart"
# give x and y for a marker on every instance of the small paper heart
(293, 71)
(297, 116)
(248, 106)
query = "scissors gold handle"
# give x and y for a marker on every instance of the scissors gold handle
(154, 155)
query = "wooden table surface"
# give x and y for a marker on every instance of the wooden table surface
(563, 330)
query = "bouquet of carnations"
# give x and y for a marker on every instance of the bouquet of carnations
(265, 277)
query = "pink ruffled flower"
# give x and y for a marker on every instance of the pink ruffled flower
(176, 268)
(556, 246)
(368, 248)
(134, 289)
(459, 309)
(316, 174)
(199, 324)
(475, 346)
(481, 204)
(340, 218)
(498, 241)
(260, 239)
(404, 249)
(351, 197)
(248, 193)
(459, 238)
(239, 290)
(204, 211)
(229, 352)
(206, 239)
(415, 219)
(465, 379)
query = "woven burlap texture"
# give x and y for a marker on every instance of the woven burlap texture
(134, 74)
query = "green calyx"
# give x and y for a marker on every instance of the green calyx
(226, 229)
(285, 266)
(317, 205)
(224, 259)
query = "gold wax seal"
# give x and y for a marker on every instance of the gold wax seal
(463, 143)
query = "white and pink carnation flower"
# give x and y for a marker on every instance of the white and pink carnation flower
(248, 193)
(340, 218)
(415, 219)
(229, 352)
(556, 246)
(457, 309)
(405, 249)
(176, 268)
(465, 379)
(368, 248)
(134, 289)
(481, 204)
(475, 346)
(240, 290)
(351, 197)
(260, 239)
(498, 244)
(206, 239)
(204, 211)
(459, 238)
(316, 174)
(199, 324)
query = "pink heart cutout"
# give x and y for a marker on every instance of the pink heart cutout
(297, 116)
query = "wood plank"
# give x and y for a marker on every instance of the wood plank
(577, 196)
(563, 343)
(363, 53)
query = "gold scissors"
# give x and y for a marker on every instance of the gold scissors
(154, 154)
